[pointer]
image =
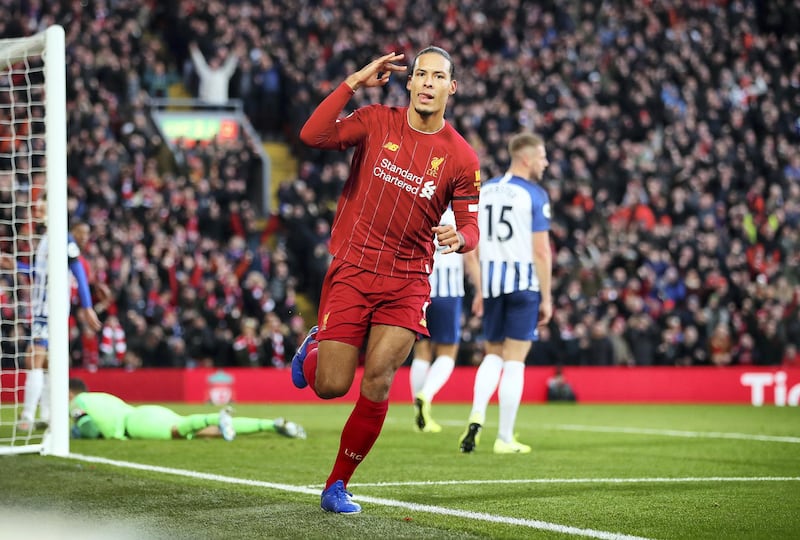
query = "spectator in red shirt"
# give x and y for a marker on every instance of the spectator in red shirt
(248, 349)
(791, 356)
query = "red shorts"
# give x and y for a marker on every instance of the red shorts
(354, 299)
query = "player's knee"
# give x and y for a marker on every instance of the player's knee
(331, 387)
(376, 387)
(329, 392)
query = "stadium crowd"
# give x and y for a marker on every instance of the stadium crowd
(672, 128)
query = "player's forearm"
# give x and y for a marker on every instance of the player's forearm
(466, 212)
(543, 262)
(319, 130)
(472, 266)
(84, 292)
(470, 236)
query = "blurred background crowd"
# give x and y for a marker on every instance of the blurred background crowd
(672, 128)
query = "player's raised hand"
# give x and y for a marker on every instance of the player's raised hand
(377, 72)
(447, 236)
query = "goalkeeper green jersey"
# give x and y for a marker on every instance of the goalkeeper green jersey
(107, 413)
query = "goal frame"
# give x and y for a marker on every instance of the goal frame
(52, 44)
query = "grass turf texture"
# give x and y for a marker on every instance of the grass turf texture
(599, 444)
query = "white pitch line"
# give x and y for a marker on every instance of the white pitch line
(650, 431)
(195, 474)
(676, 433)
(654, 480)
(478, 516)
(481, 516)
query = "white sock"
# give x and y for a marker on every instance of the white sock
(440, 372)
(486, 380)
(44, 402)
(417, 374)
(33, 392)
(510, 395)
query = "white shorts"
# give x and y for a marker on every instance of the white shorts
(39, 333)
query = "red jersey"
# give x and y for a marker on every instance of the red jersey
(401, 182)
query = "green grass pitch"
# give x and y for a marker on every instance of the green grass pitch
(597, 471)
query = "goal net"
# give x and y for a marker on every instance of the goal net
(33, 162)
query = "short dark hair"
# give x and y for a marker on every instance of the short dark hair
(75, 222)
(439, 51)
(77, 385)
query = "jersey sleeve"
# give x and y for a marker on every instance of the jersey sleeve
(107, 413)
(76, 267)
(76, 407)
(541, 211)
(465, 202)
(85, 428)
(325, 130)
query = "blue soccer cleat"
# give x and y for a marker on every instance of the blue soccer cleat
(337, 499)
(298, 378)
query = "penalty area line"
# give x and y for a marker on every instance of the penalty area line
(430, 509)
(653, 480)
(675, 433)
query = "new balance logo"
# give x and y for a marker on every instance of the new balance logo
(428, 189)
(391, 146)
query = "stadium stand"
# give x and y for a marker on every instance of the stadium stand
(673, 131)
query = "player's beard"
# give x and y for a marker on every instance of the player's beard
(423, 114)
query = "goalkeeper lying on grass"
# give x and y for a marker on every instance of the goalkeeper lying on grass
(98, 415)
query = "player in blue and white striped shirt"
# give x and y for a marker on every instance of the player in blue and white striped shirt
(516, 269)
(36, 381)
(435, 358)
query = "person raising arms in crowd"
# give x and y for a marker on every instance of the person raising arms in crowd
(516, 270)
(409, 165)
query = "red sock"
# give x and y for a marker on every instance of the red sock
(359, 434)
(91, 351)
(310, 364)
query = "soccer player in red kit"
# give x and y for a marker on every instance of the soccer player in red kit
(408, 165)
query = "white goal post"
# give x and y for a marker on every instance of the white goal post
(32, 80)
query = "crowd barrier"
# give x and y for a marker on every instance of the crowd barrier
(730, 385)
